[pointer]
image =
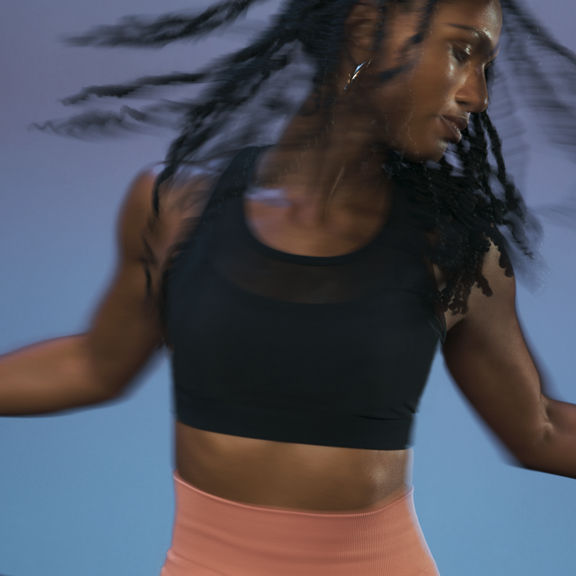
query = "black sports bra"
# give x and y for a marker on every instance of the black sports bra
(332, 351)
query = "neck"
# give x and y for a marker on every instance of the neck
(320, 161)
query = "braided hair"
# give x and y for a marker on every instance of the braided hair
(468, 199)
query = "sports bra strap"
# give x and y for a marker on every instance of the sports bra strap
(231, 182)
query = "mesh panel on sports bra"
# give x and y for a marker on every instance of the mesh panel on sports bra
(281, 276)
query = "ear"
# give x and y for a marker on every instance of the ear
(362, 26)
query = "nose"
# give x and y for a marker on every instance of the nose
(473, 94)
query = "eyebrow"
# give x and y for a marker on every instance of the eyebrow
(483, 38)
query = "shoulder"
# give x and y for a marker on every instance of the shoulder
(185, 189)
(186, 177)
(500, 284)
(491, 303)
(151, 235)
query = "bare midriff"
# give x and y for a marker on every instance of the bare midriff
(287, 475)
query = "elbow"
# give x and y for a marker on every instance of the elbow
(535, 455)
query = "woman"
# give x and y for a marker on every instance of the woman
(304, 289)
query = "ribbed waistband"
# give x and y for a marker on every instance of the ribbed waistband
(214, 536)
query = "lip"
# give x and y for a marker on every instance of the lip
(454, 128)
(460, 121)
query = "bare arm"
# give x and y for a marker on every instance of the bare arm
(488, 357)
(96, 366)
(46, 377)
(557, 452)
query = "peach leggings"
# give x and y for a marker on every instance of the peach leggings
(217, 537)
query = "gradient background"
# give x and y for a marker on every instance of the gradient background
(90, 493)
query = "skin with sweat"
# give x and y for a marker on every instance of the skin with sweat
(447, 79)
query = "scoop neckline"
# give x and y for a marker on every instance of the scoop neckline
(302, 258)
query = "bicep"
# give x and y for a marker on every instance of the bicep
(125, 328)
(128, 327)
(489, 360)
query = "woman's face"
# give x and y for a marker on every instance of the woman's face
(449, 77)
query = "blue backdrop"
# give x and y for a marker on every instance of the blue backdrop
(90, 493)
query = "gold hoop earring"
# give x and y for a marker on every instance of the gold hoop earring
(354, 76)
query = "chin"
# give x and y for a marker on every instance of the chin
(439, 156)
(429, 151)
(434, 155)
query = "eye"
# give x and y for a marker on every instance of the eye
(462, 54)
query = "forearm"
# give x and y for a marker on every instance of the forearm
(556, 453)
(47, 377)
